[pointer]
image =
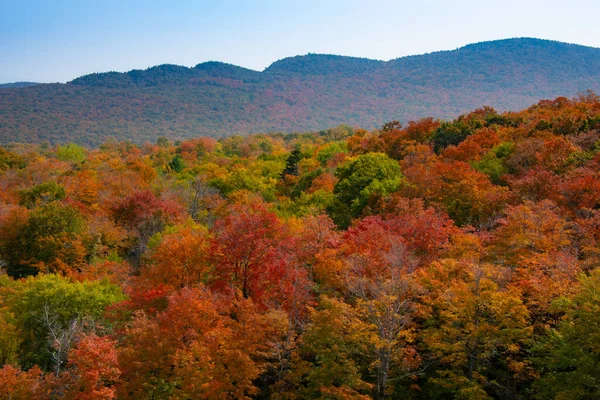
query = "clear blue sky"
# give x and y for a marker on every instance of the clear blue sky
(56, 41)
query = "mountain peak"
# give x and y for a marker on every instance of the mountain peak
(323, 64)
(225, 70)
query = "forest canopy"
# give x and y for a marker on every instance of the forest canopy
(431, 260)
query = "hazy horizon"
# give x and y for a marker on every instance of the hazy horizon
(43, 42)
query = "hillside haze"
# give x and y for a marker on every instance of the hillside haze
(302, 93)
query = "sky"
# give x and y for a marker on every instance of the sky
(57, 41)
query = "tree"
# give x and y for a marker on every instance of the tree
(453, 133)
(245, 250)
(13, 223)
(200, 346)
(474, 329)
(177, 164)
(202, 199)
(362, 181)
(41, 194)
(568, 359)
(49, 238)
(291, 164)
(534, 240)
(450, 134)
(530, 228)
(8, 160)
(144, 214)
(251, 255)
(53, 239)
(372, 268)
(10, 335)
(70, 153)
(180, 259)
(468, 196)
(325, 365)
(22, 385)
(93, 369)
(51, 311)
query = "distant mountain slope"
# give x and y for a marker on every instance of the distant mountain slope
(300, 93)
(16, 85)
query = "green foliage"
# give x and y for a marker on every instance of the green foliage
(327, 152)
(326, 365)
(50, 304)
(450, 134)
(50, 233)
(42, 194)
(232, 146)
(502, 120)
(70, 153)
(177, 163)
(305, 182)
(361, 180)
(581, 157)
(9, 160)
(453, 133)
(256, 176)
(266, 146)
(10, 338)
(307, 204)
(54, 218)
(569, 357)
(291, 163)
(162, 142)
(492, 164)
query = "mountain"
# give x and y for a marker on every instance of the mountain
(16, 84)
(302, 93)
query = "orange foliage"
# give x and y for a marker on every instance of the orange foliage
(181, 259)
(94, 369)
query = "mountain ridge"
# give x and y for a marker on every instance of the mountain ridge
(10, 85)
(276, 65)
(300, 93)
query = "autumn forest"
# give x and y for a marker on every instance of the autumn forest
(427, 260)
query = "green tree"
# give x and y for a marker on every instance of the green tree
(450, 134)
(177, 164)
(9, 159)
(361, 181)
(70, 153)
(47, 238)
(52, 238)
(51, 311)
(42, 194)
(492, 164)
(569, 359)
(291, 164)
(325, 366)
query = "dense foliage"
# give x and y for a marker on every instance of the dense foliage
(302, 93)
(435, 260)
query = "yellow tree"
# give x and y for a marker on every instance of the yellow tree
(474, 329)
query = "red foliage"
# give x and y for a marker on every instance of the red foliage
(142, 207)
(94, 369)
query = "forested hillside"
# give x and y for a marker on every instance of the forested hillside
(430, 260)
(16, 85)
(303, 93)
